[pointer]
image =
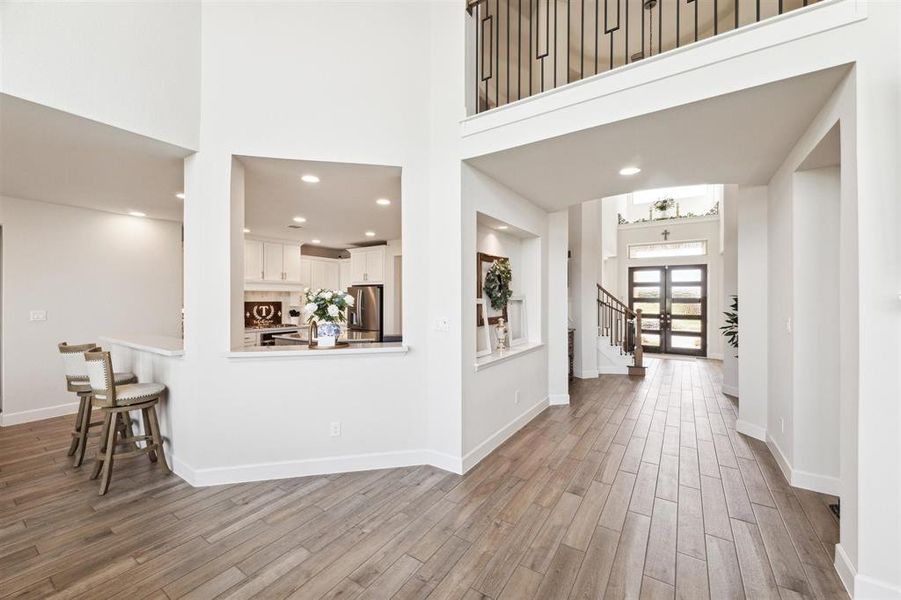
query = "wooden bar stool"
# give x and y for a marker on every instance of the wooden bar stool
(77, 381)
(115, 402)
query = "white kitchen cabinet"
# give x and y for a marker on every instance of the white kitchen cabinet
(324, 273)
(306, 272)
(273, 256)
(253, 259)
(344, 279)
(291, 264)
(367, 265)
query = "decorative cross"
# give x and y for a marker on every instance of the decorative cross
(665, 233)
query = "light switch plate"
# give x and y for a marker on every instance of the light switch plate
(37, 315)
(442, 324)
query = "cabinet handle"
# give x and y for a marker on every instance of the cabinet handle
(262, 275)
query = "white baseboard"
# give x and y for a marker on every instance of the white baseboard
(586, 374)
(613, 370)
(558, 399)
(845, 569)
(313, 466)
(729, 390)
(755, 431)
(714, 356)
(824, 484)
(37, 414)
(867, 588)
(475, 456)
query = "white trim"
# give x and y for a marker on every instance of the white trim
(37, 414)
(731, 390)
(845, 569)
(613, 370)
(587, 374)
(558, 399)
(867, 588)
(824, 484)
(495, 358)
(475, 456)
(714, 356)
(313, 466)
(670, 221)
(155, 344)
(272, 352)
(750, 429)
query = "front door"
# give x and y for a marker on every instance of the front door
(673, 303)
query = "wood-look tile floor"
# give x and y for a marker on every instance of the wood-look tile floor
(639, 489)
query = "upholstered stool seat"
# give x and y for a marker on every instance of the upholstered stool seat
(115, 401)
(134, 393)
(123, 378)
(77, 381)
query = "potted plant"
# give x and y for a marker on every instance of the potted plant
(327, 310)
(730, 329)
(294, 316)
(497, 288)
(664, 208)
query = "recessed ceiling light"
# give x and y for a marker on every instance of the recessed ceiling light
(629, 171)
(383, 202)
(310, 179)
(502, 227)
(300, 220)
(316, 241)
(180, 195)
(136, 213)
(246, 230)
(370, 234)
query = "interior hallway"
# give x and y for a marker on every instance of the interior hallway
(640, 488)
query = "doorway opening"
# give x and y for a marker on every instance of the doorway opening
(673, 302)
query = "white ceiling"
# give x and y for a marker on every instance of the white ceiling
(339, 209)
(736, 138)
(54, 156)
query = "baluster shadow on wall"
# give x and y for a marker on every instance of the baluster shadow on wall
(525, 47)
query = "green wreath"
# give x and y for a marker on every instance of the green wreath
(497, 283)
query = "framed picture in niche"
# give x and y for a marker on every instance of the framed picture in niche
(483, 263)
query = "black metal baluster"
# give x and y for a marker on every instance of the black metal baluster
(597, 33)
(716, 17)
(497, 55)
(736, 13)
(659, 26)
(582, 42)
(556, 47)
(530, 46)
(569, 22)
(758, 11)
(626, 57)
(780, 7)
(519, 51)
(678, 21)
(509, 61)
(477, 56)
(696, 18)
(641, 6)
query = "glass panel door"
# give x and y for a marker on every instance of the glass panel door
(673, 303)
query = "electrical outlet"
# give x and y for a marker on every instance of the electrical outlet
(788, 326)
(37, 315)
(335, 429)
(782, 425)
(516, 397)
(442, 324)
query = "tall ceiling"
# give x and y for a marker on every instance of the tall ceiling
(739, 138)
(339, 210)
(54, 156)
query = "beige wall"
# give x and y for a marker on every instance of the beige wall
(95, 274)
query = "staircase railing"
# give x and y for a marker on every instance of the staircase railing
(525, 47)
(621, 325)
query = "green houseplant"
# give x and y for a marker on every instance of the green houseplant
(497, 283)
(730, 329)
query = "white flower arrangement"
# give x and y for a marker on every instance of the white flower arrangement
(326, 306)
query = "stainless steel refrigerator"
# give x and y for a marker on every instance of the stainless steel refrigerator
(365, 319)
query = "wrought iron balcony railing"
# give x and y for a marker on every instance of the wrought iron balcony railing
(524, 47)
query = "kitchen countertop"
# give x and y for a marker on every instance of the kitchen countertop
(255, 352)
(302, 338)
(274, 328)
(155, 344)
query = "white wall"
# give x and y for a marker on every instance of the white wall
(499, 399)
(396, 409)
(816, 204)
(707, 228)
(753, 311)
(134, 65)
(729, 232)
(94, 273)
(585, 248)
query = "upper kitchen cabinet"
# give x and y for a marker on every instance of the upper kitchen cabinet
(367, 265)
(272, 262)
(324, 273)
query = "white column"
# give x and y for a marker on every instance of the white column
(729, 224)
(752, 322)
(558, 358)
